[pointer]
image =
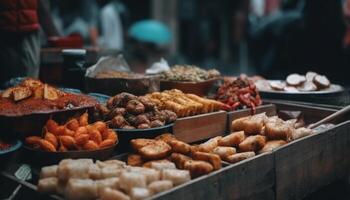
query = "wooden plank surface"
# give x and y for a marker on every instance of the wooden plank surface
(251, 179)
(306, 165)
(200, 127)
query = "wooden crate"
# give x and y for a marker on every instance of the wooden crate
(200, 127)
(253, 178)
(305, 165)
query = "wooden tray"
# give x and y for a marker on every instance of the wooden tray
(305, 165)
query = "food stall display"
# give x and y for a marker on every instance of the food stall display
(158, 165)
(239, 93)
(112, 179)
(127, 111)
(75, 134)
(184, 104)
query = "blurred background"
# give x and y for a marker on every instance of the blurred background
(271, 38)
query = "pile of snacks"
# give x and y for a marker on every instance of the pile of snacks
(256, 134)
(298, 83)
(83, 179)
(116, 74)
(239, 93)
(76, 134)
(184, 104)
(34, 96)
(167, 151)
(189, 73)
(127, 111)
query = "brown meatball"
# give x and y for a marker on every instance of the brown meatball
(118, 122)
(170, 116)
(120, 100)
(135, 107)
(131, 119)
(143, 126)
(142, 119)
(149, 105)
(156, 123)
(117, 111)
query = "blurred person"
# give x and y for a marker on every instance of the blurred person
(111, 27)
(77, 16)
(19, 32)
(148, 43)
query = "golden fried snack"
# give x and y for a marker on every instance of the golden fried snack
(252, 143)
(271, 145)
(232, 140)
(137, 144)
(73, 124)
(251, 125)
(52, 139)
(240, 156)
(224, 152)
(301, 132)
(180, 147)
(213, 159)
(134, 160)
(198, 167)
(47, 146)
(33, 141)
(166, 137)
(179, 159)
(155, 151)
(278, 131)
(209, 145)
(207, 105)
(67, 141)
(20, 93)
(106, 143)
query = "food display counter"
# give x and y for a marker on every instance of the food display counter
(169, 144)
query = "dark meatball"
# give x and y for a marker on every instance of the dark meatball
(100, 112)
(118, 122)
(170, 116)
(143, 126)
(131, 119)
(135, 107)
(156, 123)
(149, 105)
(120, 100)
(116, 111)
(142, 119)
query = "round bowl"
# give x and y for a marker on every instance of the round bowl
(41, 158)
(6, 154)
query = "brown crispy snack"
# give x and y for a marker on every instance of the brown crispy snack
(155, 151)
(213, 159)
